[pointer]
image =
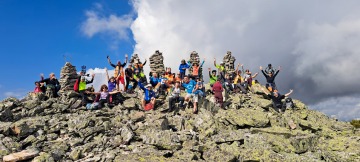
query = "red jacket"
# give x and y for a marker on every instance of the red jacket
(217, 87)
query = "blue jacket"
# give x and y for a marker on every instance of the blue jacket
(183, 66)
(154, 81)
(148, 93)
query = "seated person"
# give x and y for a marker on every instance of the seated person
(149, 96)
(175, 96)
(190, 87)
(52, 84)
(201, 88)
(104, 95)
(276, 98)
(39, 87)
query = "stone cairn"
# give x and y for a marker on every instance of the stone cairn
(157, 62)
(194, 58)
(229, 62)
(68, 77)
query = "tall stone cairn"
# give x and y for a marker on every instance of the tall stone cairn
(194, 58)
(157, 62)
(229, 62)
(68, 77)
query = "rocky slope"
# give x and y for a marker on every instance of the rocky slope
(248, 130)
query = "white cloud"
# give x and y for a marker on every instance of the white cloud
(111, 25)
(316, 42)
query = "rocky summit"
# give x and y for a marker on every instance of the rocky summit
(248, 129)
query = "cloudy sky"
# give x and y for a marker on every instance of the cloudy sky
(315, 42)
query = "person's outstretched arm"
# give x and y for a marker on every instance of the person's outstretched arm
(210, 73)
(263, 71)
(255, 75)
(202, 63)
(111, 64)
(107, 74)
(214, 62)
(277, 72)
(288, 94)
(140, 84)
(92, 78)
(126, 60)
(145, 62)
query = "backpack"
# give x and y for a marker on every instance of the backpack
(76, 86)
(289, 103)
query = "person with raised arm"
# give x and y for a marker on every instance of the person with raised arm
(119, 73)
(270, 79)
(52, 84)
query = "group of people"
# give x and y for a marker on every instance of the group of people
(168, 84)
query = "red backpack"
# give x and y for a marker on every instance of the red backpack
(76, 86)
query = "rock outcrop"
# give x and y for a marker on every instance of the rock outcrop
(157, 62)
(58, 129)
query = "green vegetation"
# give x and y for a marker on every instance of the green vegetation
(355, 123)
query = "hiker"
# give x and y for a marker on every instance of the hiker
(217, 89)
(39, 87)
(130, 81)
(154, 79)
(276, 98)
(175, 96)
(137, 75)
(104, 95)
(221, 69)
(119, 73)
(112, 83)
(182, 68)
(239, 81)
(163, 83)
(178, 78)
(249, 78)
(170, 77)
(269, 69)
(137, 65)
(213, 77)
(201, 88)
(52, 84)
(195, 69)
(149, 95)
(190, 87)
(270, 79)
(228, 83)
(80, 86)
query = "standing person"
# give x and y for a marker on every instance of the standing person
(195, 69)
(217, 89)
(190, 87)
(119, 71)
(129, 73)
(276, 98)
(213, 77)
(137, 65)
(82, 82)
(149, 96)
(175, 96)
(221, 69)
(270, 79)
(182, 68)
(52, 84)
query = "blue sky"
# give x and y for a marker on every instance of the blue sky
(35, 35)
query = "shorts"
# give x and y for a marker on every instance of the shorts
(121, 80)
(193, 96)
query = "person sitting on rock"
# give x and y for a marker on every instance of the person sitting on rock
(270, 79)
(239, 81)
(119, 73)
(269, 69)
(195, 69)
(52, 84)
(228, 83)
(190, 87)
(213, 77)
(149, 95)
(39, 87)
(163, 83)
(217, 89)
(182, 68)
(178, 78)
(170, 77)
(137, 75)
(129, 75)
(82, 82)
(201, 88)
(249, 78)
(276, 98)
(175, 96)
(104, 95)
(154, 79)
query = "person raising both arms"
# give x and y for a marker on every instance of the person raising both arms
(119, 73)
(270, 79)
(195, 69)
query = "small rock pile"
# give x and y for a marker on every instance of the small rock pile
(194, 58)
(68, 77)
(229, 62)
(157, 62)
